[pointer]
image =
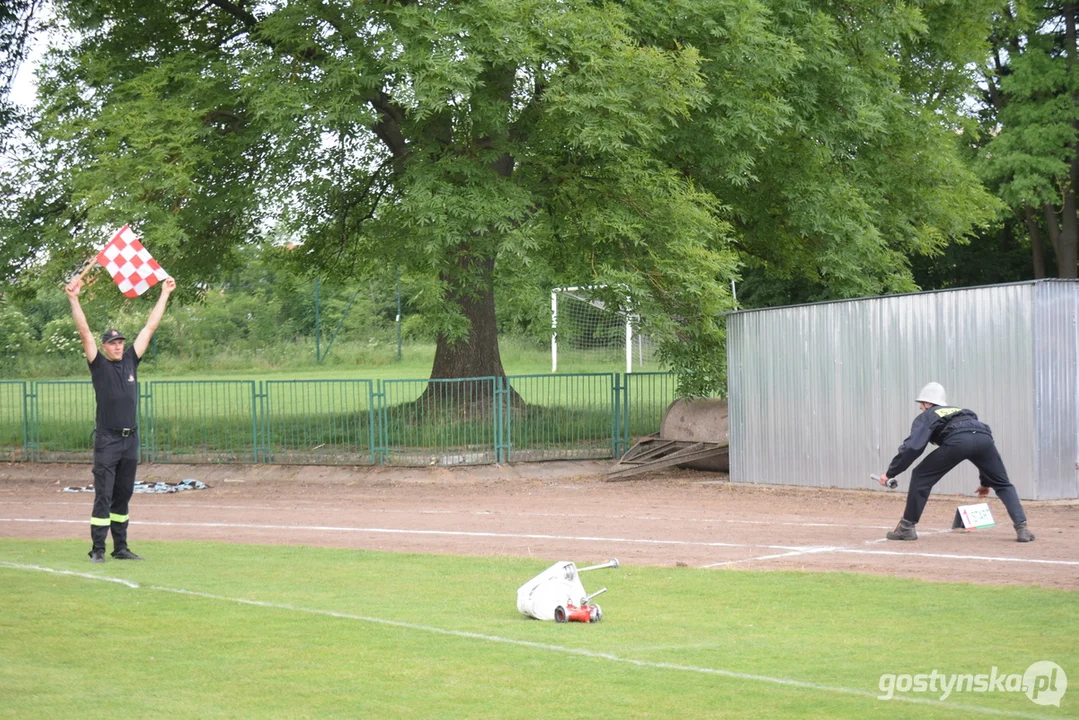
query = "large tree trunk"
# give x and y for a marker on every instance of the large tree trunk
(1068, 245)
(472, 287)
(1064, 235)
(477, 355)
(1053, 227)
(1036, 247)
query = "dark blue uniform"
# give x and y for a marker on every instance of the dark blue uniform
(116, 446)
(960, 436)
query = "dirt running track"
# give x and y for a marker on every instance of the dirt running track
(558, 511)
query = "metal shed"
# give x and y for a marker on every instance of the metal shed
(821, 395)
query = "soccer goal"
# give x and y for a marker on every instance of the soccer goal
(587, 334)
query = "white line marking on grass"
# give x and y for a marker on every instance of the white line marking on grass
(88, 576)
(579, 652)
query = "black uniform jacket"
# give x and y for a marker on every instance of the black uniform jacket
(116, 386)
(934, 425)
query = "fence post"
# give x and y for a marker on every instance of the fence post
(627, 398)
(372, 420)
(616, 415)
(144, 420)
(256, 402)
(507, 420)
(261, 420)
(27, 424)
(499, 415)
(379, 453)
(398, 314)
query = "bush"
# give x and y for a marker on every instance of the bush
(16, 334)
(61, 339)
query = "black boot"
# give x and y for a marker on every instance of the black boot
(98, 533)
(903, 531)
(1022, 534)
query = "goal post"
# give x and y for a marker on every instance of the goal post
(587, 330)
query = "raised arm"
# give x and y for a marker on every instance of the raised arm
(147, 333)
(89, 345)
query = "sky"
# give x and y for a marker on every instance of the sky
(24, 85)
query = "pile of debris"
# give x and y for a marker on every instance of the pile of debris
(159, 488)
(694, 433)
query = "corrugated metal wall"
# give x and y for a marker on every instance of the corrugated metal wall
(822, 395)
(1056, 410)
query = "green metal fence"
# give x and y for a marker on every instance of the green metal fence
(647, 396)
(469, 421)
(317, 422)
(561, 417)
(13, 420)
(62, 421)
(440, 422)
(200, 421)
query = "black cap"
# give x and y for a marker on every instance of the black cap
(110, 335)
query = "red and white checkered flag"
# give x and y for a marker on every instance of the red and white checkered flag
(130, 265)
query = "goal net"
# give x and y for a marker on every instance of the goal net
(587, 335)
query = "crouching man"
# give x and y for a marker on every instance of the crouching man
(959, 436)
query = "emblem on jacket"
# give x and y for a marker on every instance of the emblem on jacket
(131, 378)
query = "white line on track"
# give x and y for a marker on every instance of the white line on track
(405, 531)
(792, 549)
(309, 506)
(809, 551)
(755, 558)
(579, 652)
(948, 556)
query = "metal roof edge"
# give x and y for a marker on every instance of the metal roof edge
(896, 295)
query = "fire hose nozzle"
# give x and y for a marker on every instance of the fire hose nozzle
(892, 482)
(612, 563)
(588, 598)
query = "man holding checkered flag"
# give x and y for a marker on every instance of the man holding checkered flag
(114, 373)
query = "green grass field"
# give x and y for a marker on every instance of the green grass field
(233, 631)
(347, 359)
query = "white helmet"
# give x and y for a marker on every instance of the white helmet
(933, 393)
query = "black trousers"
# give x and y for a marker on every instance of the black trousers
(980, 449)
(116, 458)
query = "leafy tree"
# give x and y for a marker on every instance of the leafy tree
(838, 157)
(1031, 111)
(1000, 254)
(656, 149)
(17, 18)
